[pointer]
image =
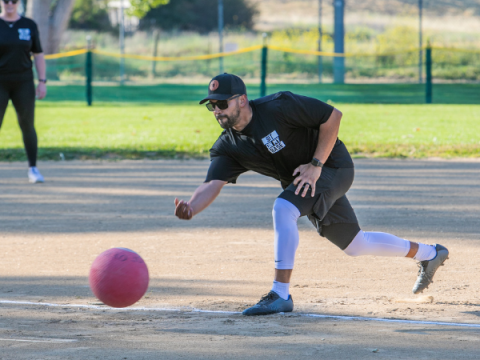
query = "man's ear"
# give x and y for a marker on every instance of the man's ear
(243, 100)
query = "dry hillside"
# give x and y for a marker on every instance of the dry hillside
(454, 15)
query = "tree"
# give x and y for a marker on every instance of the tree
(53, 16)
(90, 15)
(140, 8)
(200, 15)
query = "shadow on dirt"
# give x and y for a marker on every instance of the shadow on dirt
(409, 198)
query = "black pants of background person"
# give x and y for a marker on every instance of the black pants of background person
(22, 94)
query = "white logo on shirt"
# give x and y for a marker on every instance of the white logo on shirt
(24, 34)
(273, 142)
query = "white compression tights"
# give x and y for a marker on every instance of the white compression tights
(285, 216)
(377, 243)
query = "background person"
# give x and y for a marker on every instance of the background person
(19, 38)
(293, 139)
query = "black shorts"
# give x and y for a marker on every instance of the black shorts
(329, 210)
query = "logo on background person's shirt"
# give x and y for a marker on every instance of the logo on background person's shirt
(273, 143)
(24, 34)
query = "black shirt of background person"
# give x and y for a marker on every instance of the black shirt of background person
(17, 41)
(282, 135)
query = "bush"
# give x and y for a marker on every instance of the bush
(200, 15)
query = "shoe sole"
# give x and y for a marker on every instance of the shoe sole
(267, 313)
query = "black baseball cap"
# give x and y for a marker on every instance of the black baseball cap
(224, 86)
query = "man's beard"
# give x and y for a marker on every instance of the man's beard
(231, 120)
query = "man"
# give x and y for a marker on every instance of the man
(293, 139)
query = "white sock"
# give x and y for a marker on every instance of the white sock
(282, 289)
(425, 252)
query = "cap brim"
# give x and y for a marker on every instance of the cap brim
(216, 97)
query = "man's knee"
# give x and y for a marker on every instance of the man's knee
(341, 234)
(284, 210)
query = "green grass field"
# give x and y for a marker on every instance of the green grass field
(114, 131)
(338, 93)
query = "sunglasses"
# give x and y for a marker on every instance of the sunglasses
(221, 104)
(12, 1)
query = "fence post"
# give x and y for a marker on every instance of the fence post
(263, 75)
(156, 38)
(428, 71)
(339, 41)
(88, 71)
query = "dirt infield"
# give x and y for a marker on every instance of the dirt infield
(222, 260)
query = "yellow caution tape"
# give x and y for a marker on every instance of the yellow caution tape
(455, 50)
(332, 54)
(305, 52)
(246, 50)
(178, 58)
(66, 54)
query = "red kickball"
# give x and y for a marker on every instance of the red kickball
(119, 277)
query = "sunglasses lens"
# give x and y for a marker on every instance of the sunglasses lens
(221, 104)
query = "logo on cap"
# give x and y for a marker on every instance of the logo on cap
(214, 85)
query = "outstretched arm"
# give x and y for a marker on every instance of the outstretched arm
(200, 200)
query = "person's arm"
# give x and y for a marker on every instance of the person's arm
(308, 173)
(42, 75)
(200, 200)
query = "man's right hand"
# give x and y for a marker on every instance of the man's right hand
(183, 210)
(201, 198)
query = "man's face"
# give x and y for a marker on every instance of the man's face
(229, 117)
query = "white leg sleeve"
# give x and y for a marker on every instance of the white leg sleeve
(285, 216)
(377, 243)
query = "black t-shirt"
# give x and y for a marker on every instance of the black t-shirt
(17, 41)
(282, 135)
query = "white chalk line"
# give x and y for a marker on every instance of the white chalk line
(338, 317)
(50, 340)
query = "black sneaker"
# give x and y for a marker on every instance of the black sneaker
(428, 268)
(270, 304)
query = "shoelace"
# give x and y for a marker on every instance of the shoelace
(421, 269)
(266, 297)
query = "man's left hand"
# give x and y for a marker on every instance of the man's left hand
(308, 176)
(41, 91)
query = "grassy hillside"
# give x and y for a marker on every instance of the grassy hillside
(371, 27)
(461, 15)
